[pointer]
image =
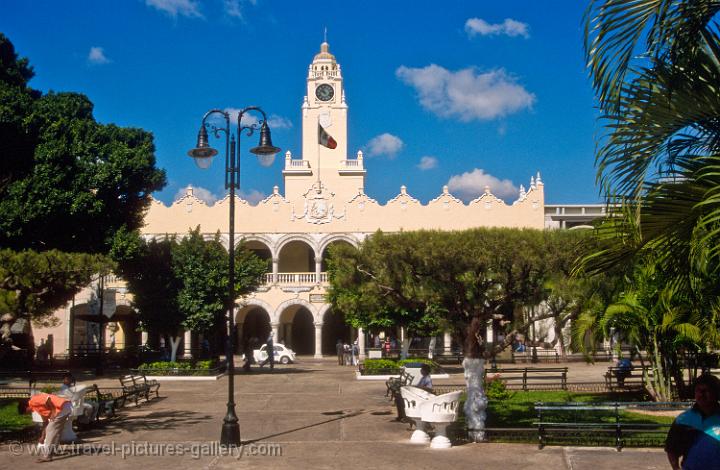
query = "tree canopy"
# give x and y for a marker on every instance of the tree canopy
(427, 281)
(179, 285)
(67, 182)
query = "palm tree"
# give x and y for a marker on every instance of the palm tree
(655, 66)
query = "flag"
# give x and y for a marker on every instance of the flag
(325, 139)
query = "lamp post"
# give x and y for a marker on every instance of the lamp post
(203, 154)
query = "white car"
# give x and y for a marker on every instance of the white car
(283, 354)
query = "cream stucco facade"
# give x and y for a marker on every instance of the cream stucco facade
(323, 201)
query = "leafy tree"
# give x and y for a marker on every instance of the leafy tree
(430, 280)
(66, 183)
(59, 168)
(181, 285)
(655, 66)
(33, 285)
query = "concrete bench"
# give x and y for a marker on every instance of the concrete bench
(427, 409)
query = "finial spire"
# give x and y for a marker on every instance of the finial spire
(325, 35)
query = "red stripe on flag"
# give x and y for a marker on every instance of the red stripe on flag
(325, 139)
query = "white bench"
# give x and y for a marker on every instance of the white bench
(425, 408)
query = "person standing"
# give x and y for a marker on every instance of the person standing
(355, 350)
(55, 411)
(340, 352)
(270, 350)
(694, 436)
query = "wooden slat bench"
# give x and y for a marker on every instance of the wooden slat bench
(586, 420)
(394, 384)
(622, 379)
(526, 377)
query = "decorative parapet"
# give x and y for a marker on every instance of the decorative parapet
(324, 212)
(298, 166)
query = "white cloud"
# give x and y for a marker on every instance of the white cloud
(467, 94)
(384, 144)
(428, 163)
(279, 122)
(274, 121)
(201, 193)
(472, 184)
(97, 56)
(253, 196)
(234, 8)
(177, 8)
(509, 27)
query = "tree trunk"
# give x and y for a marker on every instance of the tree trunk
(474, 371)
(405, 347)
(560, 340)
(431, 347)
(174, 343)
(476, 402)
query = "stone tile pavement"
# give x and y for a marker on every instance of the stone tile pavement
(308, 415)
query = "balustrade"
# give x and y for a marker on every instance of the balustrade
(293, 279)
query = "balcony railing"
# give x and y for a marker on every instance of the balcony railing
(293, 279)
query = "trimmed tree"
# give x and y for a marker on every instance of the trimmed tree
(461, 281)
(183, 285)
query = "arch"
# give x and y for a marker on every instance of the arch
(296, 256)
(296, 329)
(260, 249)
(258, 239)
(302, 302)
(254, 328)
(335, 238)
(334, 329)
(326, 245)
(247, 304)
(295, 237)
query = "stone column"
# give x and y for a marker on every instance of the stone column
(318, 269)
(361, 344)
(447, 342)
(276, 331)
(143, 338)
(490, 333)
(275, 264)
(318, 340)
(187, 345)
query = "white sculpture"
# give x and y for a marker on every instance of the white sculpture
(413, 398)
(425, 409)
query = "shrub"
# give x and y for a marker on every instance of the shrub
(176, 368)
(380, 366)
(433, 365)
(495, 388)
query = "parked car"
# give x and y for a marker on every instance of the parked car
(283, 354)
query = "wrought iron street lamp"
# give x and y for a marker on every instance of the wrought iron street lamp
(203, 154)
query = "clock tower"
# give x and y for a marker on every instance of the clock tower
(324, 106)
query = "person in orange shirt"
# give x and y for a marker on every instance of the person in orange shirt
(55, 412)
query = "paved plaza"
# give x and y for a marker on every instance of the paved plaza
(309, 415)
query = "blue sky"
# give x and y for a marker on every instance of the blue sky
(465, 93)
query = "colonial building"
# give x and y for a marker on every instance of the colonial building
(322, 202)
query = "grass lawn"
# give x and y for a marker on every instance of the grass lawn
(10, 420)
(519, 410)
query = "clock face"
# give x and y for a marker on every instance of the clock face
(324, 92)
